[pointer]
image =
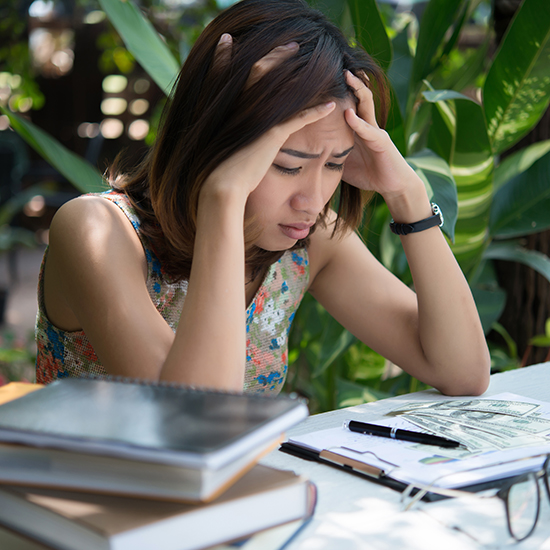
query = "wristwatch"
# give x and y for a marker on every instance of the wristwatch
(432, 221)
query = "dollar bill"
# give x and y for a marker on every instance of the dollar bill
(496, 422)
(472, 437)
(471, 441)
(511, 408)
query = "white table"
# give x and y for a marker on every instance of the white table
(354, 513)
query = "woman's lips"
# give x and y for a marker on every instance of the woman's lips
(297, 231)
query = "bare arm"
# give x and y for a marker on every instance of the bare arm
(96, 278)
(434, 334)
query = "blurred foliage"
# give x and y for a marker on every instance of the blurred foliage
(17, 78)
(17, 358)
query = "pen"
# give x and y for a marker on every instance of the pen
(395, 433)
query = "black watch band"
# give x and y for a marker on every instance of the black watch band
(432, 221)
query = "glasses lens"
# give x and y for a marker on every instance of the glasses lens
(523, 507)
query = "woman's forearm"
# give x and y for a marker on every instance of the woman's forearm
(449, 329)
(209, 346)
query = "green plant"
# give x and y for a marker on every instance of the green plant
(17, 358)
(453, 141)
(446, 134)
(541, 340)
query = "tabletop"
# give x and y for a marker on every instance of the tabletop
(355, 513)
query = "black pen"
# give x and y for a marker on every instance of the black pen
(395, 433)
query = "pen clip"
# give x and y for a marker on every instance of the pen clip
(356, 465)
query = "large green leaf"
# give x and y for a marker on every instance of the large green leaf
(462, 128)
(490, 298)
(77, 170)
(490, 305)
(333, 9)
(334, 342)
(370, 31)
(441, 186)
(520, 161)
(517, 90)
(350, 393)
(513, 252)
(438, 17)
(399, 75)
(395, 125)
(522, 205)
(143, 41)
(462, 68)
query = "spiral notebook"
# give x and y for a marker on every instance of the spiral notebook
(158, 440)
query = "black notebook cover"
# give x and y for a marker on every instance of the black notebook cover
(150, 422)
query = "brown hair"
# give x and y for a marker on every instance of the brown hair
(212, 114)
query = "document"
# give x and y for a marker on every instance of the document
(499, 436)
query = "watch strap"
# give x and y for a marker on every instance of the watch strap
(416, 227)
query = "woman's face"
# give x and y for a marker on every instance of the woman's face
(301, 181)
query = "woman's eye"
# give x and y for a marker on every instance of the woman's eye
(287, 171)
(335, 167)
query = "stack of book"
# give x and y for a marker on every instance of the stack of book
(97, 464)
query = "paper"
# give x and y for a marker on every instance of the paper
(482, 424)
(425, 464)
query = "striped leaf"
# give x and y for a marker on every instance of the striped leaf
(459, 124)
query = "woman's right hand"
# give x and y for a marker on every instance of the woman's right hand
(249, 165)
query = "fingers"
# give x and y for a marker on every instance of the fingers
(222, 58)
(222, 55)
(364, 130)
(365, 108)
(267, 63)
(377, 140)
(305, 117)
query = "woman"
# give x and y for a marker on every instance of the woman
(273, 114)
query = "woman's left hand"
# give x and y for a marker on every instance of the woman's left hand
(375, 162)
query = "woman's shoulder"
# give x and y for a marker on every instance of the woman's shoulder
(88, 212)
(90, 224)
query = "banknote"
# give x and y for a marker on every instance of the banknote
(492, 421)
(466, 437)
(512, 408)
(472, 437)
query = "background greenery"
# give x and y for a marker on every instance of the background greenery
(458, 106)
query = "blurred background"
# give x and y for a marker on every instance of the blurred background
(82, 80)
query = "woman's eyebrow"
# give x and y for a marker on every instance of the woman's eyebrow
(303, 155)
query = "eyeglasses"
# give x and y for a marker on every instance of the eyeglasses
(520, 495)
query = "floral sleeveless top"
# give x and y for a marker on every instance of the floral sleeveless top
(268, 318)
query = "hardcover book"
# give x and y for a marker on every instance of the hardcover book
(263, 498)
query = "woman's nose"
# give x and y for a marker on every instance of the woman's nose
(311, 196)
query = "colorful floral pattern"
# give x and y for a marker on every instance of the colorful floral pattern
(268, 319)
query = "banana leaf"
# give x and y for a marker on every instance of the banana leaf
(143, 41)
(517, 89)
(462, 127)
(513, 252)
(370, 31)
(522, 205)
(77, 170)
